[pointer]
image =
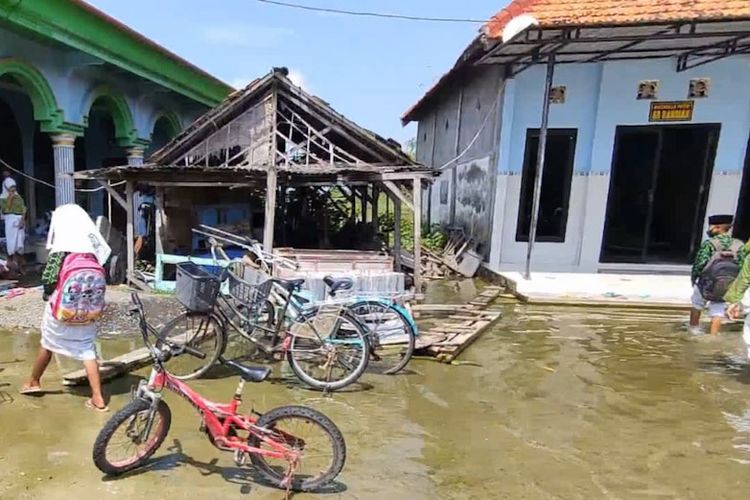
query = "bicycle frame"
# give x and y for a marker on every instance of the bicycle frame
(350, 301)
(219, 418)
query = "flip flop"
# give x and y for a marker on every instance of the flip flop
(91, 406)
(28, 390)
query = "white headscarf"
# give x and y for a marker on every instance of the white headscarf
(73, 231)
(8, 183)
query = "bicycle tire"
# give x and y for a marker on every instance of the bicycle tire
(295, 356)
(271, 420)
(186, 366)
(124, 415)
(377, 337)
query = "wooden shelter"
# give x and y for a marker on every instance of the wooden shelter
(271, 134)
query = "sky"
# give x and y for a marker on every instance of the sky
(371, 70)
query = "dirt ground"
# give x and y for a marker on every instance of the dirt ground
(25, 311)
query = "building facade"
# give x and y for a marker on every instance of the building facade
(79, 90)
(638, 153)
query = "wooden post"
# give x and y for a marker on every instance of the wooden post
(417, 197)
(364, 204)
(270, 210)
(397, 234)
(375, 196)
(353, 199)
(159, 215)
(130, 233)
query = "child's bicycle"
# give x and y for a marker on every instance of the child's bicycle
(291, 447)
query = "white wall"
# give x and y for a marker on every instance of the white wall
(600, 97)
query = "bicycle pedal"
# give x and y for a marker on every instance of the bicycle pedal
(240, 458)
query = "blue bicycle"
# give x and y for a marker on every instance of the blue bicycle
(390, 329)
(391, 332)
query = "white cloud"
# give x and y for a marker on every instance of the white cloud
(246, 36)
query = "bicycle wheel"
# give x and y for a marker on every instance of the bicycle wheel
(334, 357)
(304, 430)
(202, 332)
(391, 335)
(121, 444)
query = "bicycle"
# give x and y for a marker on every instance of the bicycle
(280, 454)
(324, 346)
(391, 330)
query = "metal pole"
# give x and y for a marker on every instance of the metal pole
(540, 162)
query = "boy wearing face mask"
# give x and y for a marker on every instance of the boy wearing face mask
(716, 265)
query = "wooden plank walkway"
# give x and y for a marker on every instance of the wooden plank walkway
(112, 368)
(461, 328)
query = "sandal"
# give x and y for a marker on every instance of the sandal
(91, 406)
(30, 390)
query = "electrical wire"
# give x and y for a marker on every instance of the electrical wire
(374, 14)
(50, 185)
(476, 136)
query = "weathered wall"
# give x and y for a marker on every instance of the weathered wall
(474, 198)
(447, 128)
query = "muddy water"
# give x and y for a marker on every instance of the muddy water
(564, 404)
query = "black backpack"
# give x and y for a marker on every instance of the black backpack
(721, 271)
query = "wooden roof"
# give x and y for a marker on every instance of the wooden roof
(296, 126)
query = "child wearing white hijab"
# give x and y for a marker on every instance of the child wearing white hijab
(71, 232)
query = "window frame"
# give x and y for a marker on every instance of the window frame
(572, 133)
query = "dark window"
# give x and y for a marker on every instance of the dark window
(555, 194)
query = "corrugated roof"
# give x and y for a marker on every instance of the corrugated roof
(555, 13)
(594, 14)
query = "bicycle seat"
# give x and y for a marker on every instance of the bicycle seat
(336, 284)
(250, 373)
(292, 285)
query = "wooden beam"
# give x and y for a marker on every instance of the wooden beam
(130, 232)
(114, 194)
(417, 196)
(375, 199)
(405, 176)
(159, 223)
(302, 103)
(268, 225)
(397, 234)
(393, 188)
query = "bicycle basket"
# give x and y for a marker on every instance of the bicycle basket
(251, 296)
(196, 287)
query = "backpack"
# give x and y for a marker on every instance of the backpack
(79, 296)
(720, 272)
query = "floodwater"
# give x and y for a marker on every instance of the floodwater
(555, 403)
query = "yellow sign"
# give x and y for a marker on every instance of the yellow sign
(671, 111)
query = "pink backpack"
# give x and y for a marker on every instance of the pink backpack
(79, 296)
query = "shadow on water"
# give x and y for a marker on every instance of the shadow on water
(724, 364)
(221, 372)
(245, 477)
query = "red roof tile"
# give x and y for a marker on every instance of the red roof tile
(551, 13)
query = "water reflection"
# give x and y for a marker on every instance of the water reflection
(557, 403)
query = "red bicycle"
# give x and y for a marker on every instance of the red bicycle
(291, 447)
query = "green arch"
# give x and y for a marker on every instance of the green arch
(125, 132)
(171, 118)
(42, 98)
